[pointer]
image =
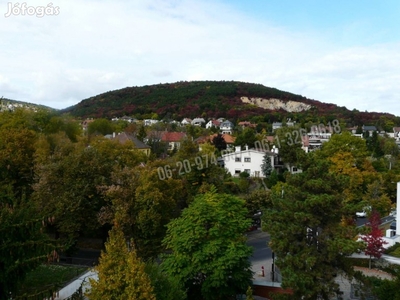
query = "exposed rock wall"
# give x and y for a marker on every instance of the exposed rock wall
(275, 104)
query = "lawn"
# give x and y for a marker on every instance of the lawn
(48, 278)
(394, 250)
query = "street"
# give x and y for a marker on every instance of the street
(262, 254)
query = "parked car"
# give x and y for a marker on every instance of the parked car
(361, 214)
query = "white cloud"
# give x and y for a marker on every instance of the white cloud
(95, 46)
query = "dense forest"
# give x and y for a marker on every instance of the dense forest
(215, 99)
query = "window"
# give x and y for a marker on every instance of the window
(247, 171)
(294, 169)
(237, 172)
(237, 159)
(247, 159)
(257, 174)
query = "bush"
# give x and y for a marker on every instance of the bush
(393, 250)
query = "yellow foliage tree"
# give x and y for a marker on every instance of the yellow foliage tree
(121, 273)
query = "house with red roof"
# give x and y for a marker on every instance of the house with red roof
(173, 139)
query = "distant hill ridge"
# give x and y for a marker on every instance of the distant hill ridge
(10, 105)
(212, 99)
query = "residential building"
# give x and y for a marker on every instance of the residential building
(198, 122)
(212, 123)
(148, 122)
(248, 160)
(86, 123)
(173, 139)
(229, 140)
(245, 124)
(276, 125)
(186, 121)
(369, 129)
(124, 137)
(226, 127)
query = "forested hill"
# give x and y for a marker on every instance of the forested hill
(10, 105)
(215, 99)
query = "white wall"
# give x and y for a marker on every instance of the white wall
(256, 159)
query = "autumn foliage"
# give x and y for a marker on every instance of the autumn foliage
(373, 239)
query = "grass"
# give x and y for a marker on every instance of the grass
(49, 278)
(394, 250)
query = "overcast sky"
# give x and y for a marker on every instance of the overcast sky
(345, 52)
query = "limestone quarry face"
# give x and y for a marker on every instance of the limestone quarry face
(275, 104)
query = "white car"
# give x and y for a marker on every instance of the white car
(361, 214)
(364, 212)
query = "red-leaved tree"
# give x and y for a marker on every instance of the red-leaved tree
(374, 238)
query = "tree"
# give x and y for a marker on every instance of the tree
(266, 166)
(256, 200)
(100, 126)
(288, 140)
(304, 219)
(376, 197)
(121, 274)
(69, 183)
(23, 244)
(347, 155)
(143, 205)
(374, 238)
(165, 287)
(246, 137)
(219, 142)
(209, 252)
(142, 133)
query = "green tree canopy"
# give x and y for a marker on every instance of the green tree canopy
(304, 219)
(100, 126)
(23, 243)
(209, 252)
(246, 137)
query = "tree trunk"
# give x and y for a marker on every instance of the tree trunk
(370, 257)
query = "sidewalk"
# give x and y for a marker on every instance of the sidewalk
(388, 258)
(71, 288)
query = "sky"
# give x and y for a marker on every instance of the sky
(342, 52)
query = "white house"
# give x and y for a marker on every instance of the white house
(186, 121)
(226, 127)
(212, 123)
(276, 125)
(198, 121)
(148, 122)
(249, 160)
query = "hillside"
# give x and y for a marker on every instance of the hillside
(230, 99)
(10, 105)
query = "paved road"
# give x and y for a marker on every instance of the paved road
(262, 254)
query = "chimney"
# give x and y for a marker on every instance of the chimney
(237, 148)
(114, 134)
(247, 147)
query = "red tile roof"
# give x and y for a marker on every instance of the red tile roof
(172, 136)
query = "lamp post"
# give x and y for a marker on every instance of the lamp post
(273, 266)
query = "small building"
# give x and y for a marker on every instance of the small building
(148, 122)
(213, 123)
(173, 139)
(226, 127)
(369, 129)
(85, 123)
(124, 137)
(247, 124)
(198, 122)
(248, 160)
(276, 125)
(186, 121)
